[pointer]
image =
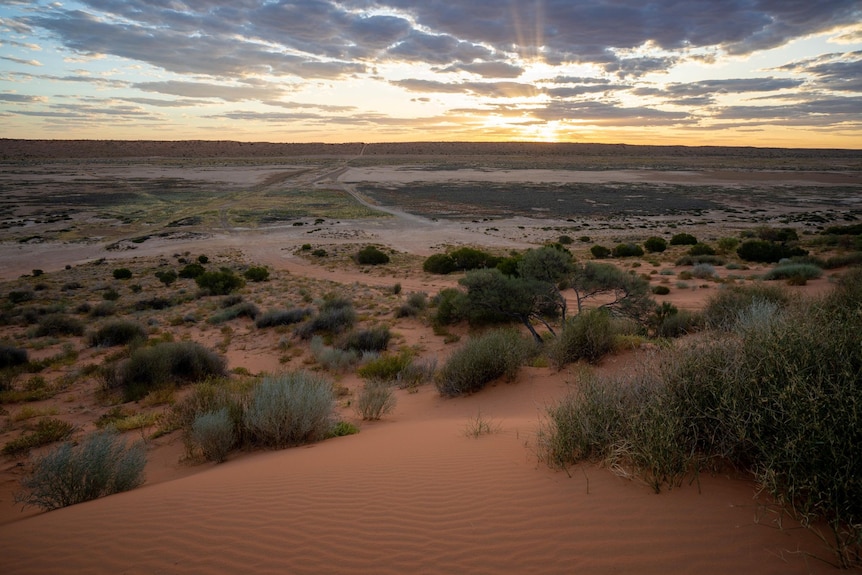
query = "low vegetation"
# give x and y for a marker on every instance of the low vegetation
(481, 360)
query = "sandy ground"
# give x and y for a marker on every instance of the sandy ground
(414, 492)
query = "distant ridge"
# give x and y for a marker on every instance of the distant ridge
(11, 149)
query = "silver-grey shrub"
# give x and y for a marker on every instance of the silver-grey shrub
(100, 465)
(289, 409)
(483, 359)
(375, 400)
(213, 433)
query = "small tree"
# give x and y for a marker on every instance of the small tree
(655, 245)
(221, 282)
(627, 250)
(167, 277)
(191, 271)
(122, 274)
(256, 274)
(629, 293)
(683, 239)
(370, 255)
(600, 252)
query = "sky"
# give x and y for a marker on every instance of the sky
(769, 73)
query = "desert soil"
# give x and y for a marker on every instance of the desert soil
(413, 492)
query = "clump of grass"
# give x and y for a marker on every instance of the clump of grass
(793, 272)
(289, 409)
(722, 310)
(479, 425)
(163, 365)
(481, 360)
(29, 412)
(282, 317)
(415, 305)
(57, 325)
(589, 336)
(386, 367)
(46, 431)
(375, 400)
(101, 465)
(242, 309)
(214, 434)
(335, 315)
(119, 332)
(374, 339)
(331, 358)
(778, 394)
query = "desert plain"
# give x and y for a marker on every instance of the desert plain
(439, 485)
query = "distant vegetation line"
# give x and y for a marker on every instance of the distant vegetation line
(12, 149)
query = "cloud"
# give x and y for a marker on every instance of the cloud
(487, 69)
(823, 111)
(209, 90)
(837, 72)
(21, 98)
(487, 89)
(607, 114)
(21, 61)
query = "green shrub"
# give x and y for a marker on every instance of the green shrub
(11, 356)
(214, 434)
(689, 260)
(793, 271)
(103, 309)
(59, 324)
(683, 239)
(202, 259)
(701, 249)
(221, 282)
(370, 255)
(660, 290)
(47, 430)
(100, 465)
(289, 409)
(386, 368)
(843, 260)
(122, 274)
(20, 296)
(678, 323)
(627, 250)
(766, 251)
(726, 245)
(655, 245)
(319, 253)
(565, 240)
(167, 277)
(375, 400)
(208, 396)
(155, 303)
(600, 252)
(374, 339)
(242, 309)
(589, 335)
(164, 364)
(481, 360)
(723, 310)
(256, 274)
(331, 358)
(119, 332)
(282, 317)
(192, 271)
(336, 314)
(450, 303)
(439, 264)
(467, 258)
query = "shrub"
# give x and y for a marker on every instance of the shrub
(589, 335)
(336, 315)
(481, 360)
(370, 255)
(660, 290)
(565, 240)
(703, 271)
(167, 277)
(11, 356)
(374, 339)
(627, 250)
(842, 260)
(466, 258)
(100, 465)
(59, 324)
(243, 309)
(726, 245)
(678, 323)
(282, 317)
(375, 400)
(122, 274)
(202, 259)
(289, 409)
(256, 274)
(386, 368)
(156, 303)
(330, 358)
(439, 264)
(690, 260)
(192, 271)
(600, 252)
(319, 253)
(164, 364)
(724, 309)
(103, 309)
(119, 332)
(655, 245)
(701, 249)
(683, 239)
(767, 252)
(20, 296)
(214, 434)
(47, 430)
(793, 271)
(450, 303)
(221, 282)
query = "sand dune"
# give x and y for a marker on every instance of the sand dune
(414, 493)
